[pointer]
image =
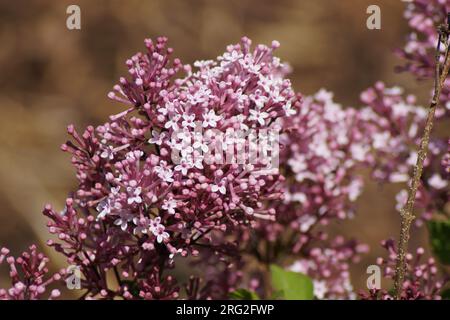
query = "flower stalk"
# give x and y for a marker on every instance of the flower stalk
(407, 213)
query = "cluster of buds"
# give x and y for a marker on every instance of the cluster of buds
(29, 276)
(422, 280)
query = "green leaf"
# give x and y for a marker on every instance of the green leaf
(243, 294)
(446, 294)
(440, 239)
(276, 295)
(293, 285)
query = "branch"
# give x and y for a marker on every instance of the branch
(407, 213)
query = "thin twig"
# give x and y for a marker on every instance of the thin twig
(116, 273)
(407, 213)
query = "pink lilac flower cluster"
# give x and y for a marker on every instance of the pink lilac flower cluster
(321, 152)
(328, 265)
(397, 124)
(422, 279)
(419, 52)
(325, 147)
(29, 276)
(136, 208)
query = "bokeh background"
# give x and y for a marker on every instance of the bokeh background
(51, 76)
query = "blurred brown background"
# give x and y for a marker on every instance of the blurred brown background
(51, 76)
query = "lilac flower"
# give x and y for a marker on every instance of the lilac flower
(154, 224)
(210, 119)
(164, 172)
(134, 195)
(184, 166)
(104, 208)
(258, 116)
(157, 138)
(108, 153)
(169, 205)
(219, 187)
(160, 233)
(123, 220)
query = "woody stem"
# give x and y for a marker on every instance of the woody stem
(407, 213)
